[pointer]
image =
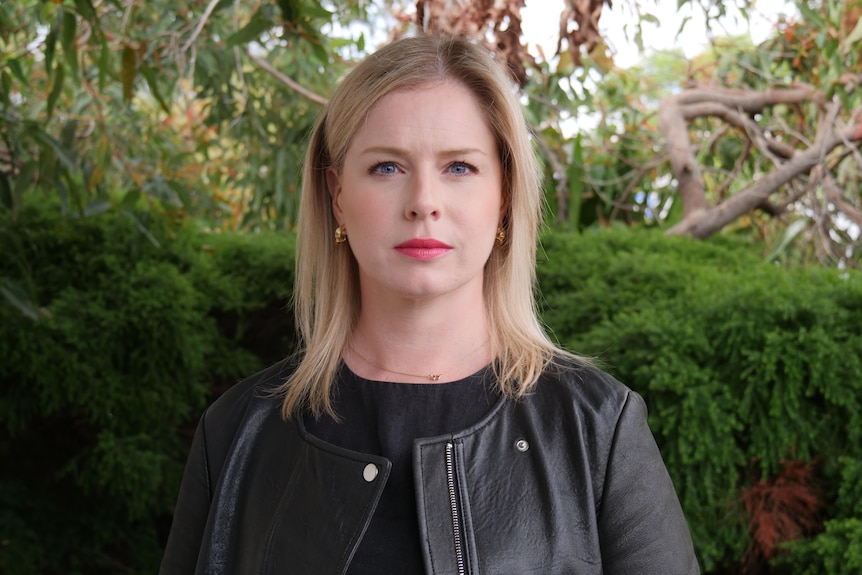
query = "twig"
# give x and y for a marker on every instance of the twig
(561, 193)
(287, 81)
(737, 167)
(207, 13)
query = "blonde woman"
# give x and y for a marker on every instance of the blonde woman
(428, 425)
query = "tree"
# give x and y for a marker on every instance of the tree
(202, 108)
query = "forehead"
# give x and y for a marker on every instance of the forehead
(443, 110)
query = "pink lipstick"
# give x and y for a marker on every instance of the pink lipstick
(423, 248)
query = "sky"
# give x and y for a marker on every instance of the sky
(541, 29)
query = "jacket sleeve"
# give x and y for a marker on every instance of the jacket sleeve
(190, 512)
(641, 525)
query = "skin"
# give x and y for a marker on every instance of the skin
(420, 194)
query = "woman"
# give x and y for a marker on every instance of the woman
(429, 425)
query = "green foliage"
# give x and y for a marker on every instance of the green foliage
(838, 550)
(742, 364)
(102, 384)
(111, 102)
(119, 341)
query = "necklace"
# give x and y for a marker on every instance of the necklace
(429, 377)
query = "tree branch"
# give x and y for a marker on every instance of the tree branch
(287, 81)
(200, 26)
(562, 191)
(729, 105)
(708, 221)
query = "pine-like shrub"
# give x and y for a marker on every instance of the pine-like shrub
(743, 364)
(101, 387)
(838, 550)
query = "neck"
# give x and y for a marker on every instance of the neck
(419, 337)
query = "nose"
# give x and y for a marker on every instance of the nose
(423, 197)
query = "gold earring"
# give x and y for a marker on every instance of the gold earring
(501, 236)
(341, 234)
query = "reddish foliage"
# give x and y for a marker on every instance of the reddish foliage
(779, 510)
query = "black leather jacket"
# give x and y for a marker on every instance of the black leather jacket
(567, 480)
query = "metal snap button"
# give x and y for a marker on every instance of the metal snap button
(370, 472)
(522, 445)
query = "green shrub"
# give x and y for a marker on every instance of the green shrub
(742, 364)
(100, 391)
(838, 550)
(115, 344)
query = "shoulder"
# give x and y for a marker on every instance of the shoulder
(252, 395)
(567, 379)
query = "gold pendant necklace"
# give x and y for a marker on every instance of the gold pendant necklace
(429, 377)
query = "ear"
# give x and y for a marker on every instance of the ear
(333, 184)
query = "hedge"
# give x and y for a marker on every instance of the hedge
(752, 374)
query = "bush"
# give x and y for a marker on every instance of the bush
(743, 365)
(752, 374)
(838, 550)
(101, 389)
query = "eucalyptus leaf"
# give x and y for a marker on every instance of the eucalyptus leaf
(15, 295)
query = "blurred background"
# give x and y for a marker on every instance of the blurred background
(702, 181)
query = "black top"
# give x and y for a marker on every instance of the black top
(383, 418)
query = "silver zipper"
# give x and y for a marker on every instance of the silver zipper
(453, 507)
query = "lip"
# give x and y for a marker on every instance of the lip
(423, 248)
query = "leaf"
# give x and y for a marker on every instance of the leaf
(127, 72)
(251, 31)
(96, 207)
(790, 233)
(85, 9)
(66, 157)
(67, 135)
(810, 15)
(16, 296)
(181, 193)
(57, 88)
(131, 198)
(682, 25)
(288, 9)
(149, 75)
(25, 178)
(316, 10)
(15, 67)
(67, 40)
(50, 50)
(142, 228)
(854, 37)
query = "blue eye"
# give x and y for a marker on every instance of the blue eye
(461, 168)
(384, 168)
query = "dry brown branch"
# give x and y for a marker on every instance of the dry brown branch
(200, 25)
(833, 193)
(286, 80)
(737, 108)
(729, 105)
(585, 15)
(707, 221)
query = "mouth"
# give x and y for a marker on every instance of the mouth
(423, 248)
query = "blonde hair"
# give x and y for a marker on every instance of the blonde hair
(326, 291)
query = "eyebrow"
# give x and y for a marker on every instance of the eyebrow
(389, 150)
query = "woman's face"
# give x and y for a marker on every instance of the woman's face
(420, 194)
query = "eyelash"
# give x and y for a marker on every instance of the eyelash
(375, 169)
